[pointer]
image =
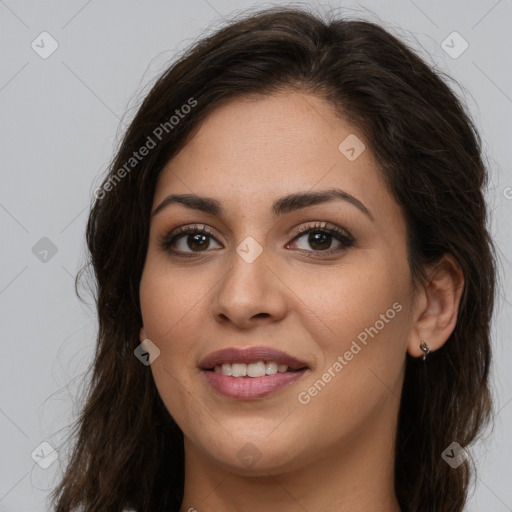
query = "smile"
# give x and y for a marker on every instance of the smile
(251, 373)
(258, 369)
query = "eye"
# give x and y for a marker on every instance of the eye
(320, 238)
(190, 241)
(188, 237)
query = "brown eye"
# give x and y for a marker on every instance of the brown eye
(188, 240)
(321, 238)
(320, 241)
(197, 241)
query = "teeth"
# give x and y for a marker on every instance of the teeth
(238, 370)
(271, 368)
(258, 369)
(226, 369)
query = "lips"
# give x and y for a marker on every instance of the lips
(234, 373)
(250, 355)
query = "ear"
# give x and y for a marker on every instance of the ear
(437, 306)
(142, 334)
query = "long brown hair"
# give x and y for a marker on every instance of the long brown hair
(127, 450)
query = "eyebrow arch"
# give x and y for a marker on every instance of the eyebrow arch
(281, 206)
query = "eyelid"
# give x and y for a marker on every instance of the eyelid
(322, 225)
(340, 234)
(171, 236)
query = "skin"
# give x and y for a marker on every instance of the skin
(337, 451)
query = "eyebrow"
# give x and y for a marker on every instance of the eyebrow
(281, 206)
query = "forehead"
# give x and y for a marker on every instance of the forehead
(253, 149)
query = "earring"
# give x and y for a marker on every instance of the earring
(426, 350)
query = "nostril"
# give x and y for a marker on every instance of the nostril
(264, 315)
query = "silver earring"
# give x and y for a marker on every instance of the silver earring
(426, 350)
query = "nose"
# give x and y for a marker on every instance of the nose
(250, 294)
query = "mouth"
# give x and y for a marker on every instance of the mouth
(251, 362)
(252, 370)
(249, 373)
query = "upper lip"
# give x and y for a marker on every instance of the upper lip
(250, 355)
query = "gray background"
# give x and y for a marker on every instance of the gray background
(61, 119)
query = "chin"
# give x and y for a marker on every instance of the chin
(257, 456)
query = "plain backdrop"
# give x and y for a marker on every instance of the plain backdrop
(62, 114)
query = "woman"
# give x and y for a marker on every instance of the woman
(295, 283)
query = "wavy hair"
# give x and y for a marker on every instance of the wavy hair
(127, 450)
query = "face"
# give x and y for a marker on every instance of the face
(254, 273)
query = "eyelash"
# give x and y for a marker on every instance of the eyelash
(344, 238)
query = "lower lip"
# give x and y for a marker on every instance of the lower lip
(246, 388)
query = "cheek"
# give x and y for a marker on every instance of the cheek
(169, 305)
(362, 335)
(348, 301)
(168, 300)
(173, 310)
